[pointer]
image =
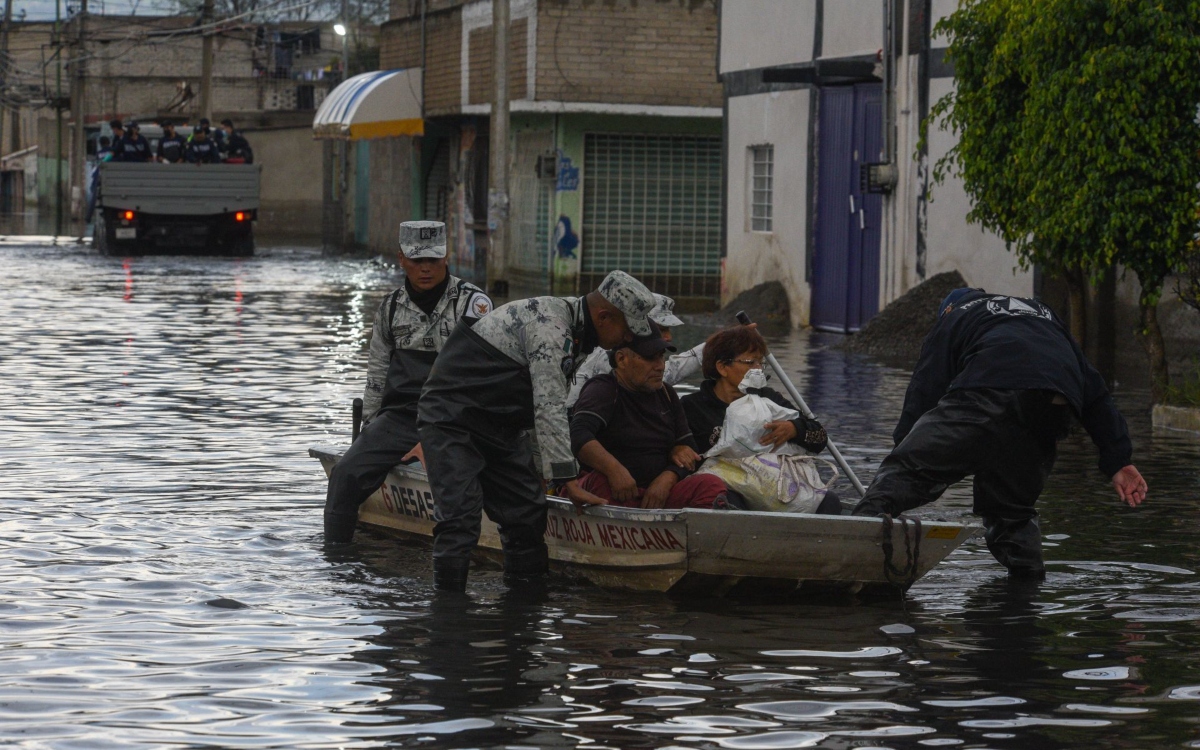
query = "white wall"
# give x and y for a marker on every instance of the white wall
(852, 27)
(779, 119)
(762, 33)
(951, 243)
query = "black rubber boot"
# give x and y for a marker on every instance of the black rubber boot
(450, 573)
(1017, 545)
(870, 506)
(339, 527)
(525, 567)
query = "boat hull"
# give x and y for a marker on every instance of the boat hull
(691, 550)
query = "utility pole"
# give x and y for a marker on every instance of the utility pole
(79, 151)
(206, 60)
(58, 176)
(498, 235)
(4, 68)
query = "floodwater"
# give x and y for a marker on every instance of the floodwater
(163, 584)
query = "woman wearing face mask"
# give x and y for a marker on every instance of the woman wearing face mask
(733, 367)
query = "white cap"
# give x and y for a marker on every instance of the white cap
(423, 239)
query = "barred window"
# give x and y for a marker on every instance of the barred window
(762, 177)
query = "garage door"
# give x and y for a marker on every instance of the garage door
(652, 206)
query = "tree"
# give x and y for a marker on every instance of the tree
(1078, 136)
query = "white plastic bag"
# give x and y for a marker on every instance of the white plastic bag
(743, 428)
(774, 482)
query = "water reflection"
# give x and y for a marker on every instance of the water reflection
(164, 584)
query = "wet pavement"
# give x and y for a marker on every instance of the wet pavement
(163, 583)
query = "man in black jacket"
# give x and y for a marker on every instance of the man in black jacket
(236, 148)
(993, 392)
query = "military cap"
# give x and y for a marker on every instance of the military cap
(423, 239)
(664, 312)
(631, 297)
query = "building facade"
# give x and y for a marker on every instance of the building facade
(615, 152)
(815, 91)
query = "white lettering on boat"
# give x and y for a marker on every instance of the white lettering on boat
(610, 535)
(407, 501)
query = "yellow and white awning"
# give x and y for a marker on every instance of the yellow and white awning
(379, 104)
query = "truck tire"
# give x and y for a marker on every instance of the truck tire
(100, 234)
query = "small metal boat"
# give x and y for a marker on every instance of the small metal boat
(697, 551)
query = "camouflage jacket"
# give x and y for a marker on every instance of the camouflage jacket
(679, 367)
(400, 324)
(544, 334)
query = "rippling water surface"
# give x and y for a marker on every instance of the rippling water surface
(162, 581)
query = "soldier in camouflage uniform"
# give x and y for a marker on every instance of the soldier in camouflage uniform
(411, 326)
(679, 366)
(492, 382)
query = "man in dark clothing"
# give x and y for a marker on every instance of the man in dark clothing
(993, 392)
(490, 385)
(411, 326)
(133, 146)
(201, 150)
(629, 429)
(236, 148)
(171, 146)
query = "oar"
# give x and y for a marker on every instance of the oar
(744, 319)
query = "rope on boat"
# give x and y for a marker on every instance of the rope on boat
(906, 575)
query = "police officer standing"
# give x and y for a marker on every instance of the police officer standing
(133, 146)
(201, 150)
(236, 149)
(411, 326)
(996, 384)
(490, 385)
(171, 146)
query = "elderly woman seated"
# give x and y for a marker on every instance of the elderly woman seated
(730, 356)
(630, 433)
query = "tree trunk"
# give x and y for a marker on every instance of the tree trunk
(1076, 306)
(1156, 352)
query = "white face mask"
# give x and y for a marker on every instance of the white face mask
(754, 379)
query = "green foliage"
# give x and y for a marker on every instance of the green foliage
(1185, 391)
(1077, 129)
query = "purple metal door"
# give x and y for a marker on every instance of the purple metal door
(845, 279)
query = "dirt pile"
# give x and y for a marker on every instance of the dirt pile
(766, 304)
(896, 332)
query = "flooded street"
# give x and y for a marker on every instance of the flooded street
(163, 582)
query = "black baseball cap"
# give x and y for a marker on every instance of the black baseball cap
(116, 125)
(648, 347)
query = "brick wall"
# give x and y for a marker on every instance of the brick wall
(628, 52)
(481, 63)
(400, 47)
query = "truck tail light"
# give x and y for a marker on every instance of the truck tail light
(240, 216)
(128, 216)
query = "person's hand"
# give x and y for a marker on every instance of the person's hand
(778, 433)
(417, 452)
(624, 489)
(579, 496)
(659, 489)
(1130, 486)
(685, 458)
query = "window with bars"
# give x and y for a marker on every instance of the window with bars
(762, 178)
(652, 206)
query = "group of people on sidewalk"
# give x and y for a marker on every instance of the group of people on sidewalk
(574, 396)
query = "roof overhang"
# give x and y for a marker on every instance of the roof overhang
(379, 104)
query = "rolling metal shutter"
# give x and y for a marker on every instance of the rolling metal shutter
(652, 207)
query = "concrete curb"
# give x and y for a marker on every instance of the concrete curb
(1176, 418)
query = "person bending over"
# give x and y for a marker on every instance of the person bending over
(992, 394)
(630, 433)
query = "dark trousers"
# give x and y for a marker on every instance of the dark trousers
(362, 469)
(469, 473)
(1006, 438)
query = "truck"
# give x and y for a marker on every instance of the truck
(155, 208)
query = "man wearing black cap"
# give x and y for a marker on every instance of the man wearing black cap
(994, 390)
(411, 326)
(171, 146)
(626, 428)
(200, 149)
(236, 148)
(490, 386)
(133, 146)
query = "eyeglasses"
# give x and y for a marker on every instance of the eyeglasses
(753, 363)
